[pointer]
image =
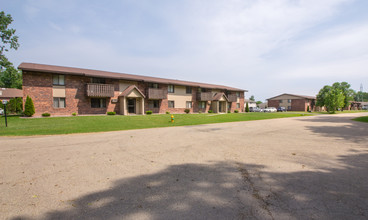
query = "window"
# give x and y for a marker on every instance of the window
(238, 94)
(189, 104)
(153, 104)
(201, 104)
(237, 105)
(202, 90)
(153, 85)
(289, 100)
(189, 90)
(229, 105)
(170, 89)
(280, 101)
(171, 104)
(98, 103)
(59, 102)
(98, 80)
(58, 80)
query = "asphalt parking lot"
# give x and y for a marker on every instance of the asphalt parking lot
(293, 168)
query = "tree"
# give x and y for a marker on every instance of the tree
(9, 76)
(252, 98)
(331, 97)
(15, 105)
(29, 108)
(258, 102)
(361, 96)
(348, 93)
(247, 107)
(7, 35)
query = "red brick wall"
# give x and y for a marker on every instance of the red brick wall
(39, 87)
(299, 105)
(273, 103)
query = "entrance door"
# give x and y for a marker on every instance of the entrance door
(220, 107)
(131, 106)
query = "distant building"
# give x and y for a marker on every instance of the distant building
(251, 103)
(263, 105)
(9, 93)
(293, 102)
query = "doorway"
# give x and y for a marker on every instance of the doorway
(131, 106)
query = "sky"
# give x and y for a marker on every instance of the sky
(267, 47)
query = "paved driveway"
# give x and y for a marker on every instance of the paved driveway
(292, 168)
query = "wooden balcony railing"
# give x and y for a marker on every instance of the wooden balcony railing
(232, 98)
(204, 96)
(156, 94)
(100, 90)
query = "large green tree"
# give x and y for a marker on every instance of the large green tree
(9, 76)
(361, 96)
(346, 90)
(332, 97)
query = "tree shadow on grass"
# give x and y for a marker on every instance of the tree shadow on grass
(231, 191)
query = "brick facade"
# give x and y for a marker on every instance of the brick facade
(39, 86)
(296, 104)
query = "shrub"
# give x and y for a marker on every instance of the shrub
(29, 108)
(148, 112)
(46, 114)
(246, 107)
(111, 113)
(210, 111)
(167, 113)
(187, 110)
(228, 111)
(74, 114)
(199, 112)
(15, 105)
(236, 111)
(308, 108)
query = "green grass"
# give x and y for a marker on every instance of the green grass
(342, 112)
(362, 119)
(84, 124)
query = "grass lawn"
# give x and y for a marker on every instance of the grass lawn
(362, 119)
(342, 112)
(83, 124)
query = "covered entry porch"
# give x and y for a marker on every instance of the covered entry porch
(219, 103)
(131, 101)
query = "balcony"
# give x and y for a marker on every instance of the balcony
(232, 98)
(156, 93)
(204, 96)
(100, 90)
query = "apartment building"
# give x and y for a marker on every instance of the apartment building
(64, 90)
(293, 102)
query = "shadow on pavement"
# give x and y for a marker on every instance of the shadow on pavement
(353, 131)
(230, 191)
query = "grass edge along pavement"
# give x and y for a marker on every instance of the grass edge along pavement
(362, 119)
(85, 124)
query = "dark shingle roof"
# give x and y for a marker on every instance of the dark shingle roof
(113, 75)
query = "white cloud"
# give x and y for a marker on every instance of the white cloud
(263, 46)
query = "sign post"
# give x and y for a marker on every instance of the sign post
(6, 121)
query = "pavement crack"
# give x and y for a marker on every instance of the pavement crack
(264, 204)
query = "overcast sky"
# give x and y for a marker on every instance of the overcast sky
(268, 47)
